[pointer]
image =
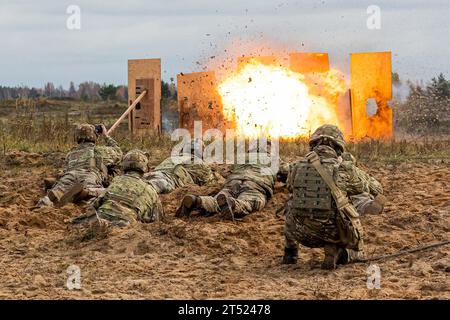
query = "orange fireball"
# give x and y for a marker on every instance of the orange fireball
(273, 101)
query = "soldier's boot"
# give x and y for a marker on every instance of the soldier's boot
(227, 206)
(333, 255)
(188, 204)
(49, 182)
(70, 196)
(376, 206)
(82, 195)
(290, 256)
(351, 256)
(43, 202)
(55, 195)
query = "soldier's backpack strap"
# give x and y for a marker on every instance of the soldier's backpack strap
(350, 228)
(340, 199)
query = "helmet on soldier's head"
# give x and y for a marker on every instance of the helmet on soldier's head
(85, 133)
(135, 160)
(327, 133)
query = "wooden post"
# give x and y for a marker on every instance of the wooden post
(127, 112)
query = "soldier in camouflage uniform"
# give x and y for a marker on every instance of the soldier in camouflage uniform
(189, 169)
(129, 197)
(246, 190)
(372, 200)
(87, 167)
(319, 213)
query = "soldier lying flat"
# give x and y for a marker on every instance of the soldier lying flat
(129, 197)
(246, 190)
(87, 168)
(190, 169)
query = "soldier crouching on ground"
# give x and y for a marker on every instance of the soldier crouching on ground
(87, 167)
(190, 169)
(319, 213)
(129, 197)
(246, 190)
(372, 200)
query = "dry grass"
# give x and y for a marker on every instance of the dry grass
(45, 126)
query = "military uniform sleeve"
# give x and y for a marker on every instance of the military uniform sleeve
(375, 187)
(111, 153)
(349, 179)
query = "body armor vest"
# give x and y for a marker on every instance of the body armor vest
(311, 196)
(130, 192)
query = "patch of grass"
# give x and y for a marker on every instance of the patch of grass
(46, 126)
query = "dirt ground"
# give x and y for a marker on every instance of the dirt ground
(206, 258)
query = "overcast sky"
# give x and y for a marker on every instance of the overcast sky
(36, 46)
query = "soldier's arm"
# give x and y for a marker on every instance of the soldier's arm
(349, 179)
(375, 187)
(111, 153)
(111, 143)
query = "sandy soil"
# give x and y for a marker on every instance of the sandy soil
(201, 258)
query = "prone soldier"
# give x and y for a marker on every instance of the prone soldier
(129, 197)
(87, 167)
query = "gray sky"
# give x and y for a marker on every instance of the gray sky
(37, 47)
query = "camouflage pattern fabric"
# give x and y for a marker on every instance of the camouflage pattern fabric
(317, 231)
(128, 199)
(89, 164)
(371, 187)
(249, 186)
(168, 176)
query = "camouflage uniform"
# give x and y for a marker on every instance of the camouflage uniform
(246, 190)
(130, 198)
(87, 164)
(371, 187)
(312, 215)
(168, 176)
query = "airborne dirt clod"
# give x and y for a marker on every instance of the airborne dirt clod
(198, 258)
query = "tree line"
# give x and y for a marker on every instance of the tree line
(427, 107)
(86, 91)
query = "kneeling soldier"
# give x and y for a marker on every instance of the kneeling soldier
(319, 213)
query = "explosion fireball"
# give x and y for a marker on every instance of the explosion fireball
(273, 101)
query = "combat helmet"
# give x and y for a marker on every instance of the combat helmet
(135, 160)
(85, 133)
(328, 133)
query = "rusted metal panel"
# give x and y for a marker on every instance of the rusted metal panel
(145, 74)
(308, 62)
(371, 78)
(198, 100)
